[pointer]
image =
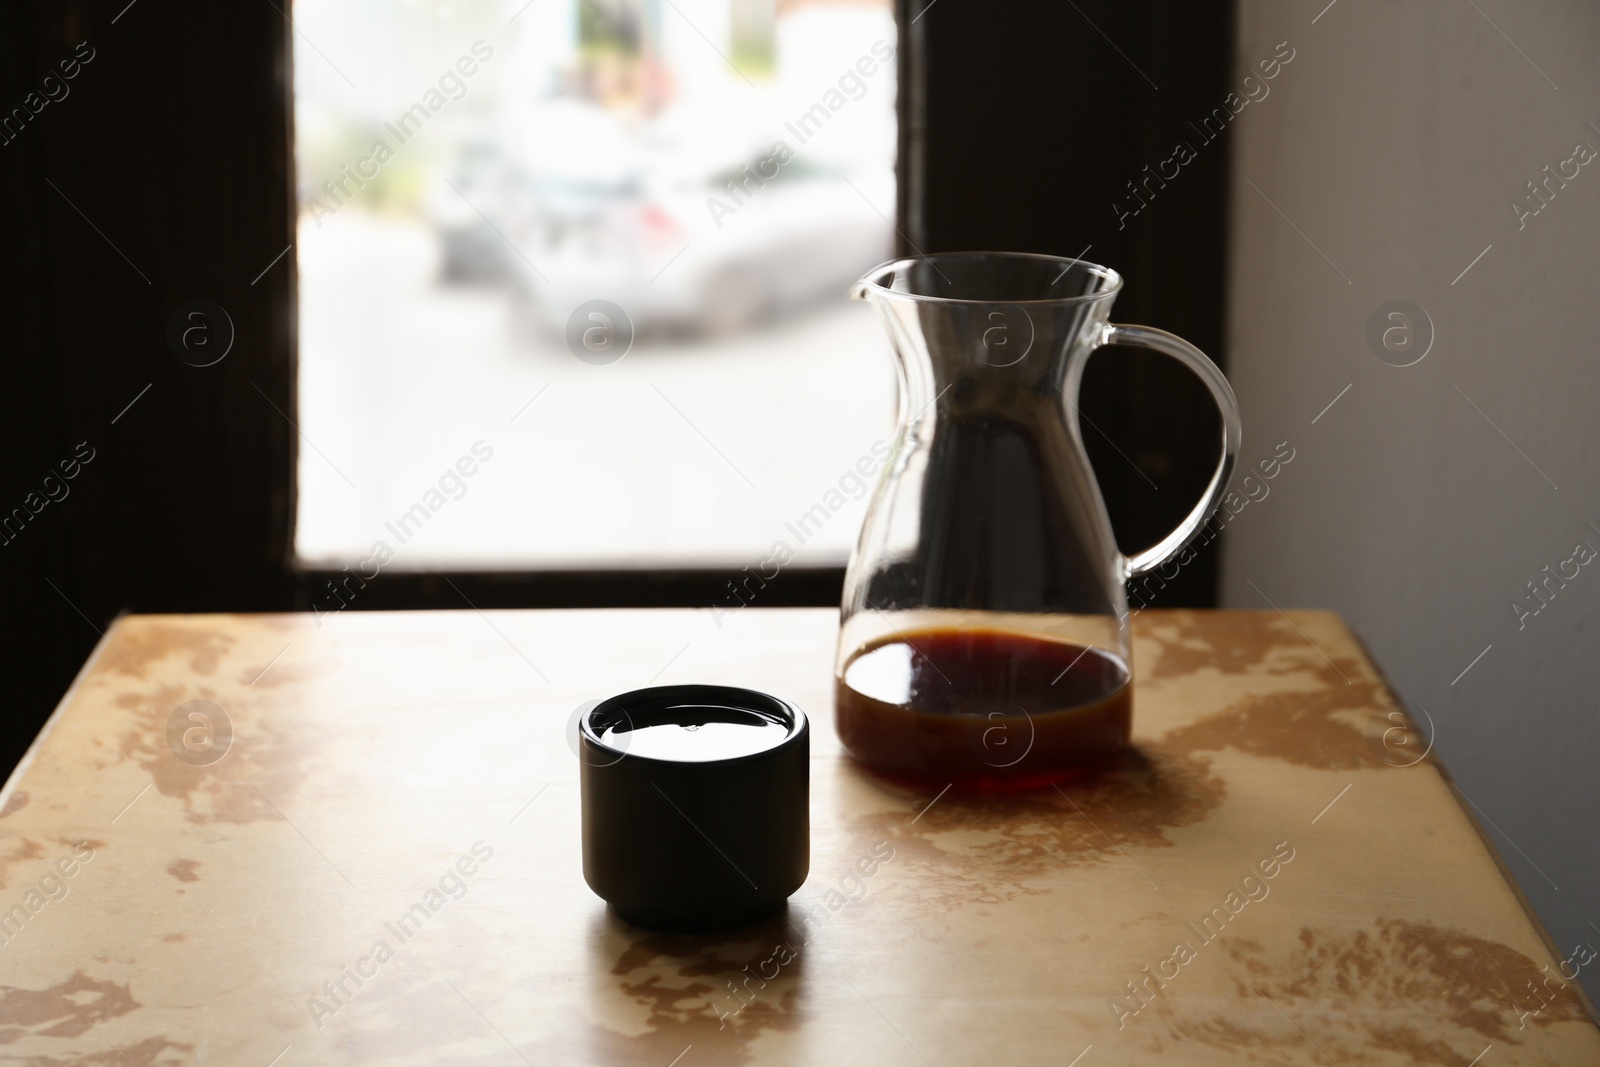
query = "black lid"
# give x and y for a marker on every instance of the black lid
(695, 804)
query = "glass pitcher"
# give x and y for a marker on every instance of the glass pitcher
(984, 639)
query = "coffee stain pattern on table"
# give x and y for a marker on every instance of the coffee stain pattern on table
(707, 990)
(184, 870)
(151, 1052)
(138, 649)
(68, 1010)
(260, 768)
(184, 661)
(988, 850)
(15, 803)
(1447, 995)
(1327, 722)
(1309, 728)
(19, 850)
(1229, 642)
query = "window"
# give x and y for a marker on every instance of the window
(496, 201)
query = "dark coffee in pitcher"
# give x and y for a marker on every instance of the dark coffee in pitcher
(982, 710)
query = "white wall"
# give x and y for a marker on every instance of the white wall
(1395, 140)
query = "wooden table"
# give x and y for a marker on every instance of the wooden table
(383, 867)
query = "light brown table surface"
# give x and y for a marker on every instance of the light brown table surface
(207, 906)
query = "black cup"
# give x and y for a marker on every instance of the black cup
(696, 802)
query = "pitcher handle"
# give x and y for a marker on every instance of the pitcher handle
(1172, 345)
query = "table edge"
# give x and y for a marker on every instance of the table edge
(1435, 761)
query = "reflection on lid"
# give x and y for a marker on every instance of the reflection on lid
(695, 733)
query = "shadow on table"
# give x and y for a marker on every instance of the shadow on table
(961, 844)
(659, 993)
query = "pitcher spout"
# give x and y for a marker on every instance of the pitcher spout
(862, 287)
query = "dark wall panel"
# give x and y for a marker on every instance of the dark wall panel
(1035, 117)
(159, 177)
